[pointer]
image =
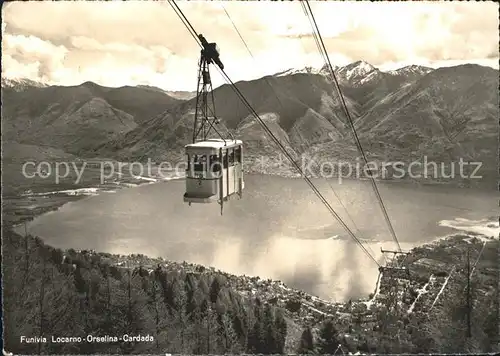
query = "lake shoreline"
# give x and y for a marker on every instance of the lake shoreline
(134, 261)
(54, 200)
(57, 199)
(176, 195)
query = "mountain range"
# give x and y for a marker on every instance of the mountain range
(404, 114)
(75, 118)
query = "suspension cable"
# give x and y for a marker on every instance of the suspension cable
(315, 36)
(309, 182)
(351, 124)
(286, 139)
(276, 140)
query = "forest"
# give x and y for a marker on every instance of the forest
(50, 293)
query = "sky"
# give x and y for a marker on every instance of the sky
(119, 43)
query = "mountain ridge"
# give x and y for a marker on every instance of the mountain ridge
(75, 118)
(372, 106)
(359, 68)
(308, 109)
(446, 114)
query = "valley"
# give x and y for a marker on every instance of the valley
(401, 116)
(444, 114)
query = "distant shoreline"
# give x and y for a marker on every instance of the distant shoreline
(18, 228)
(483, 185)
(66, 195)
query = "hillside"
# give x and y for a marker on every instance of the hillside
(76, 118)
(174, 307)
(195, 309)
(371, 85)
(411, 306)
(409, 113)
(403, 115)
(14, 152)
(449, 103)
(181, 95)
(289, 97)
(445, 115)
(176, 94)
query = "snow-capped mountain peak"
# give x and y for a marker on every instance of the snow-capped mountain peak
(291, 71)
(372, 76)
(21, 84)
(307, 70)
(362, 73)
(357, 69)
(356, 73)
(411, 69)
(364, 67)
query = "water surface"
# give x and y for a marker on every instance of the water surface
(279, 230)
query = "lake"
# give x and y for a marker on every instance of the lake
(279, 229)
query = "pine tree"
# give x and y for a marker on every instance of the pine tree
(328, 338)
(212, 331)
(158, 310)
(215, 288)
(270, 333)
(249, 321)
(136, 310)
(306, 344)
(231, 340)
(256, 333)
(80, 283)
(106, 275)
(281, 332)
(181, 317)
(41, 299)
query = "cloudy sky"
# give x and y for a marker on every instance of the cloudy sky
(139, 42)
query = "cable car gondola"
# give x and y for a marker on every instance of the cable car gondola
(214, 166)
(214, 171)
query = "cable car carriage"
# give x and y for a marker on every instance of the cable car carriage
(214, 171)
(214, 166)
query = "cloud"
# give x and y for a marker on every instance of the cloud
(433, 31)
(16, 69)
(39, 58)
(146, 43)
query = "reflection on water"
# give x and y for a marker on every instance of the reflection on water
(278, 230)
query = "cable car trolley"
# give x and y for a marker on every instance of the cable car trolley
(214, 169)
